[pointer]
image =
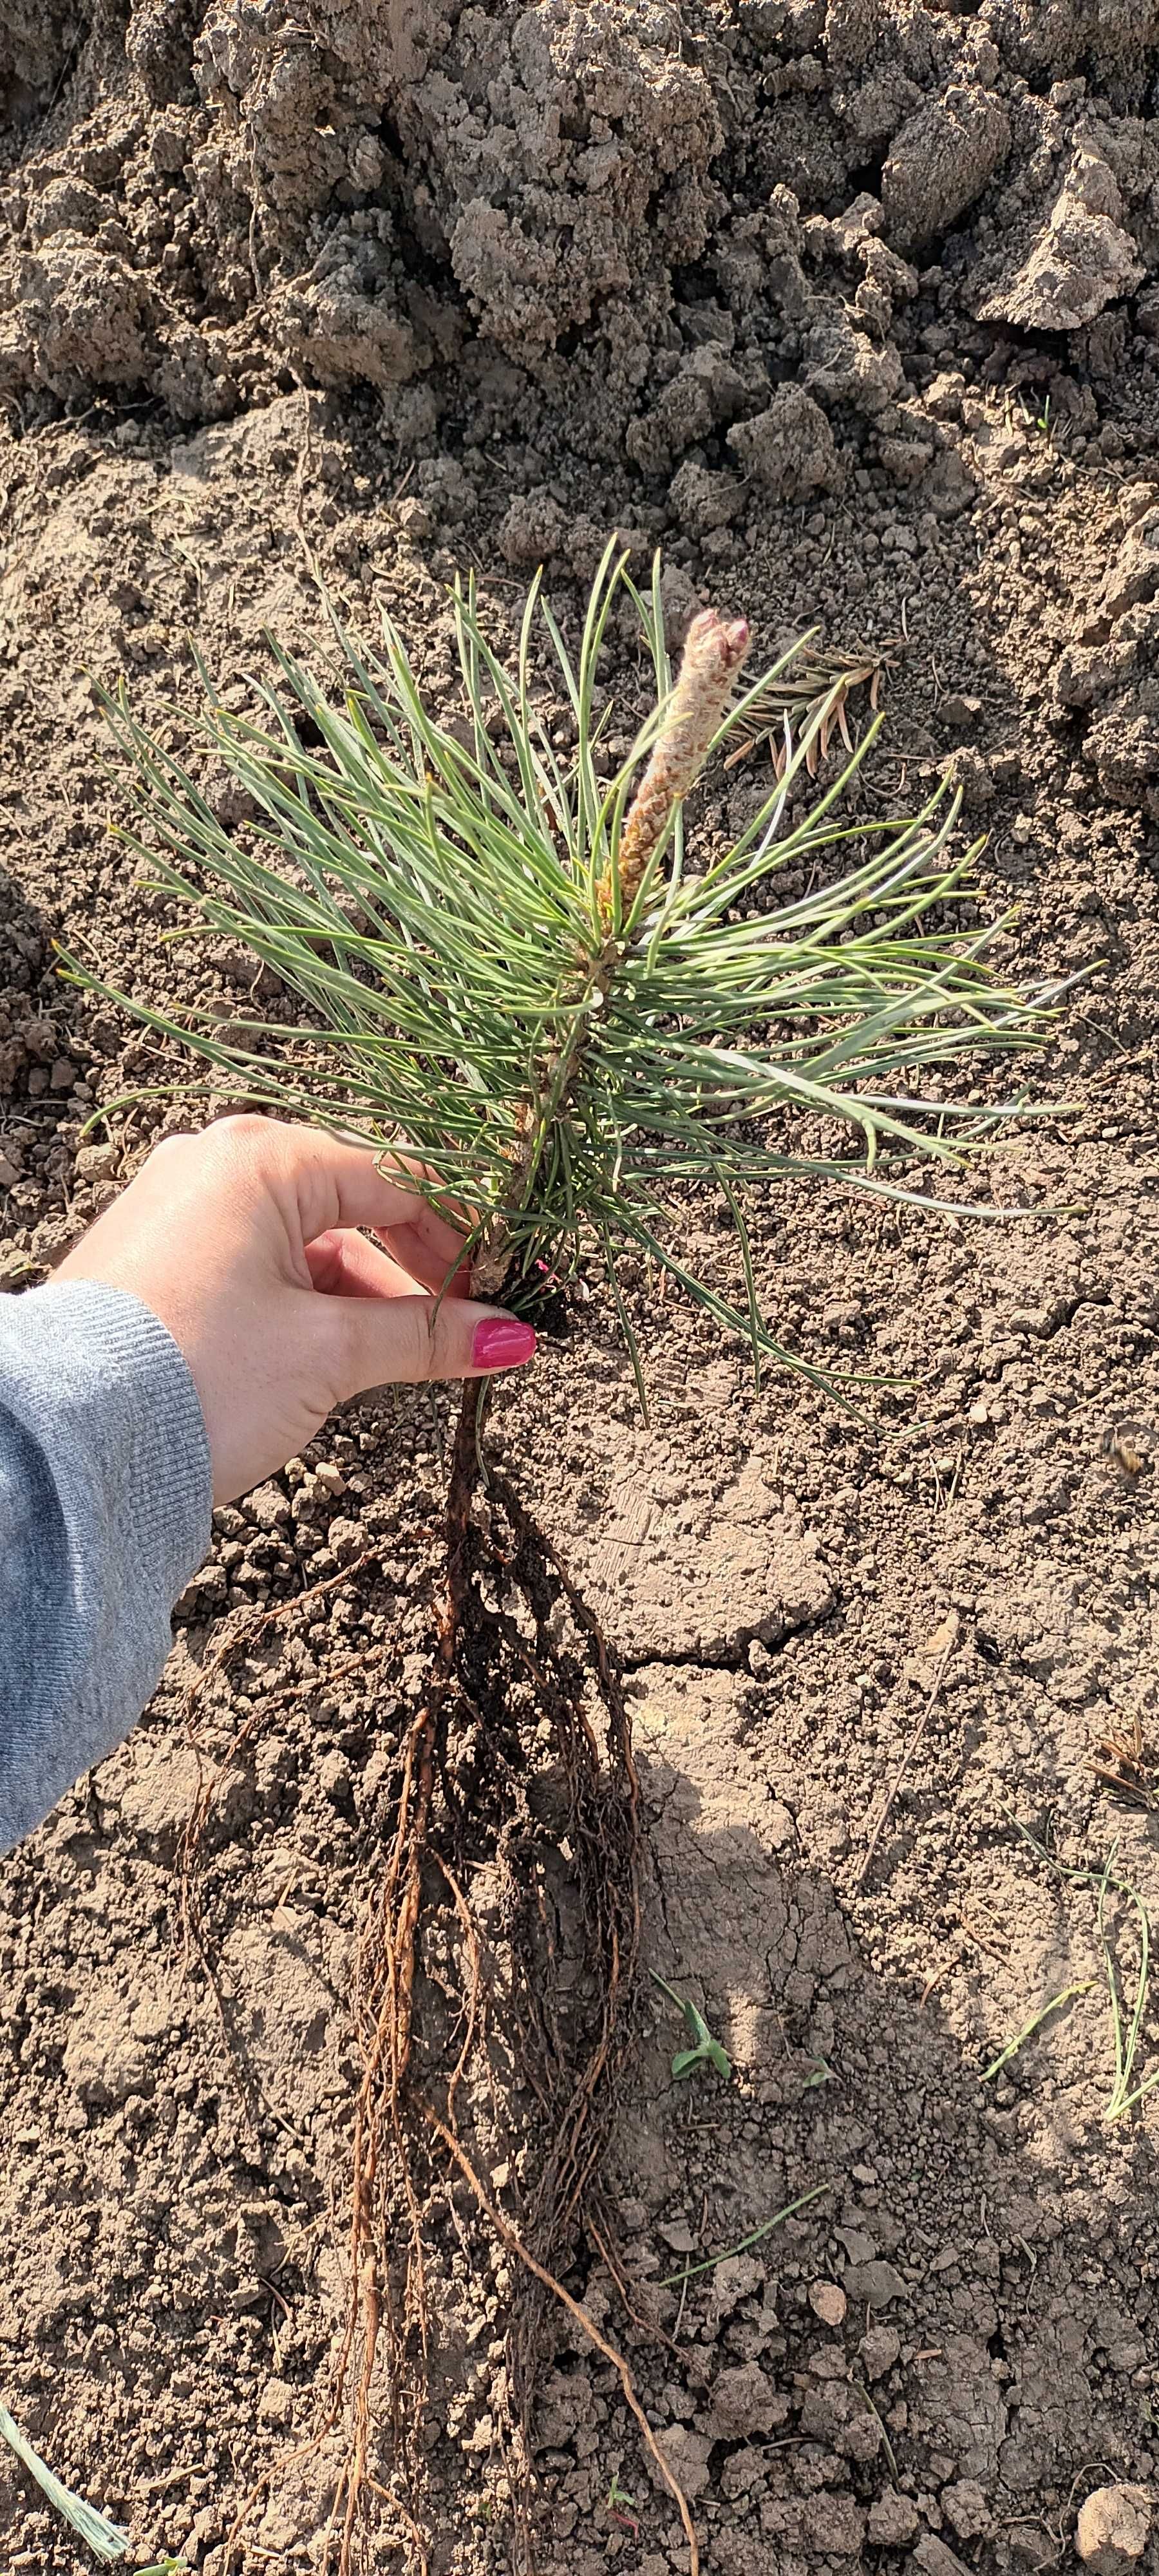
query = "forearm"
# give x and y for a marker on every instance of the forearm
(104, 1514)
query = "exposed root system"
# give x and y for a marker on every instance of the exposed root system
(518, 1771)
(493, 2003)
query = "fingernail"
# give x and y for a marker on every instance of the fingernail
(500, 1342)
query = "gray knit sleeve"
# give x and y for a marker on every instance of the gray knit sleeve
(105, 1500)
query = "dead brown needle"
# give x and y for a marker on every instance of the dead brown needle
(1126, 1445)
(1122, 1767)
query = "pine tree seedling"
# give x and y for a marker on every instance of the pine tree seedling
(505, 954)
(509, 956)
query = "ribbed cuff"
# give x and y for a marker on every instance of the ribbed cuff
(102, 1387)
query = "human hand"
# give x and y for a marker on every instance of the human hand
(242, 1241)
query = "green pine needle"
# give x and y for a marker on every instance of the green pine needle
(756, 2236)
(431, 894)
(1126, 2095)
(1065, 1996)
(106, 2539)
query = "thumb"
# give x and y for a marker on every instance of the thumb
(402, 1341)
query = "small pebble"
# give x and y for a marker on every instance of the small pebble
(893, 2520)
(1113, 2529)
(828, 2302)
(97, 1162)
(880, 2348)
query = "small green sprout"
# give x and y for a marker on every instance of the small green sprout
(618, 2497)
(1126, 2094)
(705, 2050)
(756, 2236)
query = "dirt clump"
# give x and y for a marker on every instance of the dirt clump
(939, 163)
(1114, 2527)
(788, 450)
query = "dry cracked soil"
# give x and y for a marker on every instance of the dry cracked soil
(852, 306)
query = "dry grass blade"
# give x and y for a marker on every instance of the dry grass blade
(756, 2236)
(1125, 1770)
(1035, 2022)
(811, 692)
(944, 1645)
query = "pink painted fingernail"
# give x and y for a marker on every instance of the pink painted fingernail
(501, 1342)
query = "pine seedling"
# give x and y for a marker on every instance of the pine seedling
(504, 954)
(508, 959)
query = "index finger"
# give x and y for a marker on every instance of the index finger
(426, 1259)
(339, 1185)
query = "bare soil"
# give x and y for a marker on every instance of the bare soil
(855, 309)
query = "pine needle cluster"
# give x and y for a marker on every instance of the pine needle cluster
(505, 953)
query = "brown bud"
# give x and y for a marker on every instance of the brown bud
(714, 650)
